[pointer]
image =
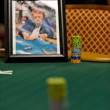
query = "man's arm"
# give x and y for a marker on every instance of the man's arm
(27, 28)
(49, 33)
(46, 29)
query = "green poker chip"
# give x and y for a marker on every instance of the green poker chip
(76, 41)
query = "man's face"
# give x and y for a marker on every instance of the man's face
(37, 18)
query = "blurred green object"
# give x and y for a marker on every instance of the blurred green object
(57, 93)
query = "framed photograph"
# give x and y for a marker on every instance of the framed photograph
(35, 31)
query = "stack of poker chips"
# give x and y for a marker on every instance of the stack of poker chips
(42, 37)
(57, 93)
(76, 49)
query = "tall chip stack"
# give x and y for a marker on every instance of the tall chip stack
(76, 49)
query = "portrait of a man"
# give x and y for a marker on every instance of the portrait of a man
(36, 27)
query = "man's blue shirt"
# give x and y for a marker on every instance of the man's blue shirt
(45, 28)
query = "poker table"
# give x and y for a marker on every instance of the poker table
(88, 85)
(37, 46)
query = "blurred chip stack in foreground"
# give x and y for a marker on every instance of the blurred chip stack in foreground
(76, 49)
(57, 93)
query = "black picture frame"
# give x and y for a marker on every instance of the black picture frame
(10, 57)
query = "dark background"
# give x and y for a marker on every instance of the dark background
(1, 11)
(102, 2)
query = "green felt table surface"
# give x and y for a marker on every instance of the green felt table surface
(26, 89)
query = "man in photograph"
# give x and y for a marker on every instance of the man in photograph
(36, 27)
